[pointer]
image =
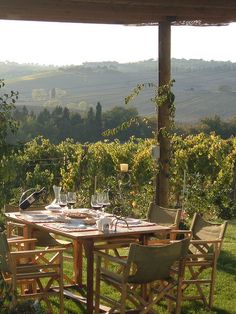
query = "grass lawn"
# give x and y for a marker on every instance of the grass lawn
(225, 289)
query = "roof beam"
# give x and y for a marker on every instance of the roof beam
(119, 11)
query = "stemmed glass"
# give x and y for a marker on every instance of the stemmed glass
(63, 200)
(103, 199)
(94, 202)
(100, 200)
(106, 200)
(71, 199)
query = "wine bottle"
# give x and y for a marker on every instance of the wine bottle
(31, 198)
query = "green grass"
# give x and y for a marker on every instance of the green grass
(225, 289)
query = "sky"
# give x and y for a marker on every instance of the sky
(71, 43)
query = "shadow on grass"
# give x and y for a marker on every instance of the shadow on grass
(227, 262)
(194, 307)
(71, 306)
(197, 307)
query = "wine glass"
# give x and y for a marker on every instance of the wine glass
(100, 200)
(71, 199)
(94, 202)
(106, 200)
(63, 200)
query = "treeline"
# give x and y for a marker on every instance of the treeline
(225, 129)
(61, 123)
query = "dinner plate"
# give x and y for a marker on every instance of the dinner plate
(53, 207)
(74, 226)
(76, 222)
(38, 216)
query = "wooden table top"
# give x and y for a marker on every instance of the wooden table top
(54, 227)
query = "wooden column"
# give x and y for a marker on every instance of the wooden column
(164, 60)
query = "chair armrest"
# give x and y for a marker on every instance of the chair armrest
(30, 253)
(20, 240)
(15, 238)
(15, 224)
(191, 256)
(173, 226)
(199, 242)
(178, 231)
(110, 258)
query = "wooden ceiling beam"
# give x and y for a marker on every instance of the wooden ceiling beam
(118, 11)
(169, 3)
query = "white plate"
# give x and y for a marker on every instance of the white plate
(73, 226)
(38, 216)
(53, 207)
(75, 221)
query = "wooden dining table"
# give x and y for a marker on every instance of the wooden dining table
(88, 238)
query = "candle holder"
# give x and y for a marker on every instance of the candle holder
(124, 182)
(124, 179)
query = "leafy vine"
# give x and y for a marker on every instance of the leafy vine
(162, 95)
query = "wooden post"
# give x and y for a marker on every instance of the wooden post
(164, 60)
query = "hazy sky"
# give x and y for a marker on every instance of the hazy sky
(68, 43)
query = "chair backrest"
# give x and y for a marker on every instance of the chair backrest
(150, 263)
(205, 230)
(5, 258)
(164, 216)
(43, 237)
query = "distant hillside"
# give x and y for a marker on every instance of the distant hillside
(202, 88)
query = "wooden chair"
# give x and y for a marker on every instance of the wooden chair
(204, 250)
(48, 240)
(164, 216)
(143, 265)
(23, 268)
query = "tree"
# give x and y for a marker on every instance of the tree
(118, 115)
(7, 123)
(90, 126)
(98, 121)
(44, 117)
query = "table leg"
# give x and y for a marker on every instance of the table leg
(89, 252)
(144, 288)
(78, 262)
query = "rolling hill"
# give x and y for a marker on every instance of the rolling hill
(201, 88)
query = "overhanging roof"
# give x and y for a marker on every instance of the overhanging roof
(193, 12)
